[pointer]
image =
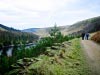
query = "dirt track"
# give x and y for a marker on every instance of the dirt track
(92, 52)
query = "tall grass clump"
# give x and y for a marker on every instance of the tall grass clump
(96, 37)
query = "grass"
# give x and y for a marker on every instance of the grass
(68, 60)
(76, 60)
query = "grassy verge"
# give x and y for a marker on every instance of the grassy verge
(78, 65)
(62, 59)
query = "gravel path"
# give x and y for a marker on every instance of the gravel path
(92, 52)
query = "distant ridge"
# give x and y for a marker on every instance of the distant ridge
(30, 30)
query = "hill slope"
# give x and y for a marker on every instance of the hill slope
(88, 25)
(66, 59)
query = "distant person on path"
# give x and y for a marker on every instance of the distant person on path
(87, 36)
(83, 35)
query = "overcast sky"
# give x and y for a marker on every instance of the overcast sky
(22, 14)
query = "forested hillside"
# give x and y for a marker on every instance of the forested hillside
(10, 36)
(5, 28)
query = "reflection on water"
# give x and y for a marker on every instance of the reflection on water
(0, 52)
(9, 50)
